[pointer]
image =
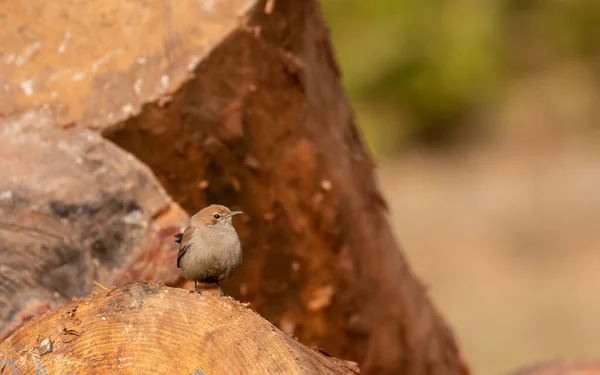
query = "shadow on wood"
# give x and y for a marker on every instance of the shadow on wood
(154, 329)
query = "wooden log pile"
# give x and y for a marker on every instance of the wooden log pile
(120, 118)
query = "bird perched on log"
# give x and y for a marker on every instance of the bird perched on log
(209, 247)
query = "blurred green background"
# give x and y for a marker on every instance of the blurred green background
(484, 117)
(419, 72)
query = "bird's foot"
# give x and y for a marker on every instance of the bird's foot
(195, 290)
(221, 292)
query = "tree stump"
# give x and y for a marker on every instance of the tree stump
(153, 329)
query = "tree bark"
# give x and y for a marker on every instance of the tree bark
(153, 329)
(242, 105)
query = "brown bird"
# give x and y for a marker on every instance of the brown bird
(209, 248)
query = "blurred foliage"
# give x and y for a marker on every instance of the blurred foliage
(416, 70)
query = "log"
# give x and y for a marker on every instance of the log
(74, 208)
(153, 329)
(238, 103)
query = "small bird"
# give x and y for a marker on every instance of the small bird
(209, 247)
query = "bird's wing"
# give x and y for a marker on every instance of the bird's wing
(185, 243)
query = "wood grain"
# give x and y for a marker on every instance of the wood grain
(153, 329)
(74, 208)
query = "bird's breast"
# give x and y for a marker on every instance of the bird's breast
(214, 253)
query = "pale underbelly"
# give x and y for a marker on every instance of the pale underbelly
(209, 268)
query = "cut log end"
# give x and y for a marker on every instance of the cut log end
(155, 329)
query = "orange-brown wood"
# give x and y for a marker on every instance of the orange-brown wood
(154, 329)
(231, 102)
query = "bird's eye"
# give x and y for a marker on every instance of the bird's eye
(216, 216)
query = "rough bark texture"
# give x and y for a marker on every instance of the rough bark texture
(153, 329)
(241, 104)
(74, 208)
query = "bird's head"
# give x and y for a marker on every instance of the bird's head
(213, 215)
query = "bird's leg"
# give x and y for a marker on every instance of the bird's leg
(221, 293)
(195, 288)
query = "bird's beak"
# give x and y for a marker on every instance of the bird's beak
(233, 213)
